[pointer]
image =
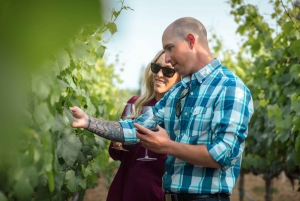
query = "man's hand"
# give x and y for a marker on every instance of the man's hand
(156, 141)
(81, 118)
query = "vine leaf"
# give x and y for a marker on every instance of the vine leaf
(112, 27)
(63, 59)
(296, 158)
(73, 182)
(297, 146)
(100, 51)
(68, 148)
(295, 46)
(2, 197)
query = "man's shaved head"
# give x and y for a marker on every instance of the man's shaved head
(183, 26)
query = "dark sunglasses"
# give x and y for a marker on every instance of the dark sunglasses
(167, 72)
(183, 94)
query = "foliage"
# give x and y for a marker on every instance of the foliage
(54, 160)
(273, 78)
(269, 63)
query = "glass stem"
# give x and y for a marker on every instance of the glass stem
(146, 153)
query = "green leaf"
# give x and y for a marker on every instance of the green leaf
(296, 156)
(60, 196)
(274, 110)
(75, 182)
(62, 84)
(63, 59)
(86, 171)
(112, 27)
(296, 123)
(288, 27)
(59, 180)
(42, 193)
(297, 144)
(116, 14)
(79, 51)
(41, 85)
(2, 197)
(295, 105)
(93, 42)
(255, 46)
(55, 94)
(295, 47)
(59, 124)
(23, 190)
(241, 10)
(42, 116)
(68, 148)
(100, 51)
(268, 43)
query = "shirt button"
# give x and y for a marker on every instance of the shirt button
(185, 113)
(192, 93)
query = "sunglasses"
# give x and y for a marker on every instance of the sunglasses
(167, 72)
(183, 94)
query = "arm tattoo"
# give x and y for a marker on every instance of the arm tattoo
(107, 129)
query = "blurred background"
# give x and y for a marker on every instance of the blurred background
(58, 54)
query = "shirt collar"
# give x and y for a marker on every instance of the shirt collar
(201, 75)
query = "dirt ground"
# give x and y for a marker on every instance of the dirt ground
(254, 187)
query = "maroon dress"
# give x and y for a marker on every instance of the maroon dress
(137, 180)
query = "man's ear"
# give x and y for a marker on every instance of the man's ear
(191, 40)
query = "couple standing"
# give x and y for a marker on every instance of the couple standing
(205, 119)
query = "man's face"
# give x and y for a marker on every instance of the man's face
(177, 52)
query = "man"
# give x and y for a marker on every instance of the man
(205, 119)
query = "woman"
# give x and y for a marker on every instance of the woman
(140, 180)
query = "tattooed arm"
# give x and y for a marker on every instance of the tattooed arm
(107, 129)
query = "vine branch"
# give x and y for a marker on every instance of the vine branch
(285, 10)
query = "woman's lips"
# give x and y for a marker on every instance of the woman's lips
(159, 82)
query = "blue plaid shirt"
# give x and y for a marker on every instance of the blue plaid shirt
(216, 113)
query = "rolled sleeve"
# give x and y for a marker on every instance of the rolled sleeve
(222, 154)
(230, 124)
(129, 132)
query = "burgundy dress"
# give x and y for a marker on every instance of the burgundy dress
(137, 180)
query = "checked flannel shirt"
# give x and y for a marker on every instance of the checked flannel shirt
(215, 113)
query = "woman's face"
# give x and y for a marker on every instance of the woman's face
(163, 84)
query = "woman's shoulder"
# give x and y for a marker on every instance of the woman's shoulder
(133, 99)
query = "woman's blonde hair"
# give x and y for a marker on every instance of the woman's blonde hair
(149, 94)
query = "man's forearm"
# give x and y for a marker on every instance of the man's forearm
(107, 129)
(194, 154)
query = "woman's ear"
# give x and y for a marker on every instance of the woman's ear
(191, 40)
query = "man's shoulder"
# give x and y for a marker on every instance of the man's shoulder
(230, 76)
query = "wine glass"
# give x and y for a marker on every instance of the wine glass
(146, 157)
(126, 112)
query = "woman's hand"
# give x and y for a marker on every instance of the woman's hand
(117, 144)
(81, 118)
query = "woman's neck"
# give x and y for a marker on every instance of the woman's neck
(159, 96)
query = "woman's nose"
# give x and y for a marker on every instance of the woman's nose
(160, 73)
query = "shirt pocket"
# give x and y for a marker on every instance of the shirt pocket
(200, 123)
